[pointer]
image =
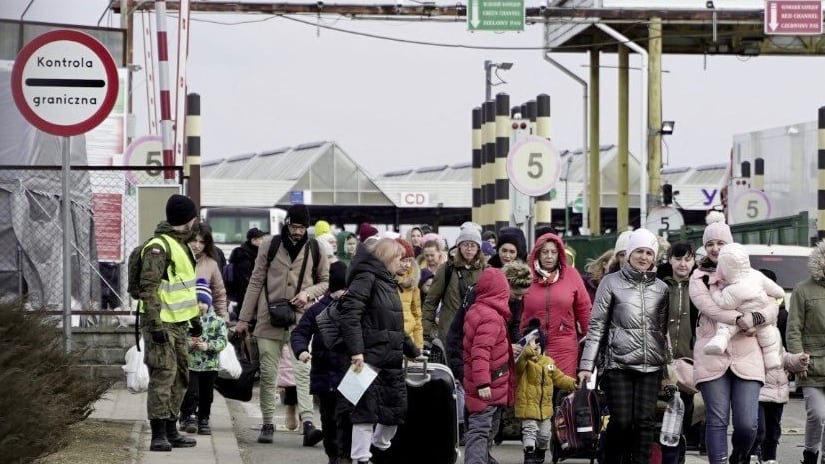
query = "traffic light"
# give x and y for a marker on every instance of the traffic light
(667, 194)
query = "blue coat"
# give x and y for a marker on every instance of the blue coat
(328, 367)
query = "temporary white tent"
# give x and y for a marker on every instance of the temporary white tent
(31, 253)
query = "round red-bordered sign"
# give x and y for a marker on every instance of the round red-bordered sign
(74, 67)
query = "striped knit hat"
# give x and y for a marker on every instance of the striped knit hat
(203, 292)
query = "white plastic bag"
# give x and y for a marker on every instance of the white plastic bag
(137, 374)
(228, 365)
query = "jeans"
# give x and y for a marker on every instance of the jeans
(270, 356)
(481, 429)
(722, 395)
(815, 410)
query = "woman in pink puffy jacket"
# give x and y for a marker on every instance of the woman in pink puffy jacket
(730, 382)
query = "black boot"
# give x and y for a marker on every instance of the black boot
(159, 441)
(203, 427)
(176, 439)
(540, 455)
(529, 455)
(379, 456)
(462, 439)
(810, 457)
(312, 436)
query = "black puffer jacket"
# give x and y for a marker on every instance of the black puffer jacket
(243, 260)
(372, 324)
(328, 367)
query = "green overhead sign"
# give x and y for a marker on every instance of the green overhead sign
(495, 15)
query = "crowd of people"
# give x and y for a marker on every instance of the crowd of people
(635, 317)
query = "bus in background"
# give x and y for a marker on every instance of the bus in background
(229, 225)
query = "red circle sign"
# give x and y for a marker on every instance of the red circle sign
(64, 82)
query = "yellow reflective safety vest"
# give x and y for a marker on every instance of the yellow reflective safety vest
(178, 300)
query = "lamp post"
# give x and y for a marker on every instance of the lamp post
(488, 76)
(566, 205)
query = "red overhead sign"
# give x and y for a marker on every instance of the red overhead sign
(793, 17)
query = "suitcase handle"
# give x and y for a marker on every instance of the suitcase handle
(419, 380)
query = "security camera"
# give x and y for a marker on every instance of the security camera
(709, 5)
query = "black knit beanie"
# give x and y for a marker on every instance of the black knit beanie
(298, 214)
(180, 209)
(337, 276)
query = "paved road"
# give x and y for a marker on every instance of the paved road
(287, 445)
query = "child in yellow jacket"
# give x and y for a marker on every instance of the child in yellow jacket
(537, 375)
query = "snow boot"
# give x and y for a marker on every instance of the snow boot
(159, 441)
(312, 436)
(176, 439)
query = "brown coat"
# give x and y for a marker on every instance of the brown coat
(282, 281)
(207, 268)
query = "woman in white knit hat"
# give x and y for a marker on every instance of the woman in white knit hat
(628, 324)
(729, 383)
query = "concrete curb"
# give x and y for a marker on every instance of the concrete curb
(136, 449)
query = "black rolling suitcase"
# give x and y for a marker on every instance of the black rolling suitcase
(429, 434)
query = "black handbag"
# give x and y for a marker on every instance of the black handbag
(281, 312)
(241, 388)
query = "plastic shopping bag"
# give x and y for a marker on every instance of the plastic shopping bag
(137, 374)
(228, 365)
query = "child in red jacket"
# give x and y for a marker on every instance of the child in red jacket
(489, 378)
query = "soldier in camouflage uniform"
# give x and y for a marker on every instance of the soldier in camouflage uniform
(170, 314)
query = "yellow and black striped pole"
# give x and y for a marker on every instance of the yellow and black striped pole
(489, 179)
(192, 166)
(543, 211)
(759, 173)
(820, 193)
(531, 115)
(477, 165)
(502, 182)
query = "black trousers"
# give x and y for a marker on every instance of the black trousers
(768, 430)
(337, 428)
(199, 395)
(631, 399)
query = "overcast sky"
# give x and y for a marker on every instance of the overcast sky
(272, 82)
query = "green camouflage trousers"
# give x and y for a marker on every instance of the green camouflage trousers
(168, 365)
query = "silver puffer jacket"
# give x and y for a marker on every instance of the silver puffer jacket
(628, 323)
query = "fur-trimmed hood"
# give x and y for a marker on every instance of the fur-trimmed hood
(410, 278)
(816, 262)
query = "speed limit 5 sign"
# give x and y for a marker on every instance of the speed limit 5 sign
(749, 206)
(533, 165)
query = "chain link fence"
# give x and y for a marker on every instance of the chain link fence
(113, 210)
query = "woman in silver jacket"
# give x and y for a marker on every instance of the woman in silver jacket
(629, 324)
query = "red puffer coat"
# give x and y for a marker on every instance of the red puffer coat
(488, 356)
(562, 306)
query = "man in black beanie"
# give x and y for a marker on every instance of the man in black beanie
(296, 271)
(169, 316)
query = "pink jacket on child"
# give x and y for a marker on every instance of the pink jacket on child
(775, 389)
